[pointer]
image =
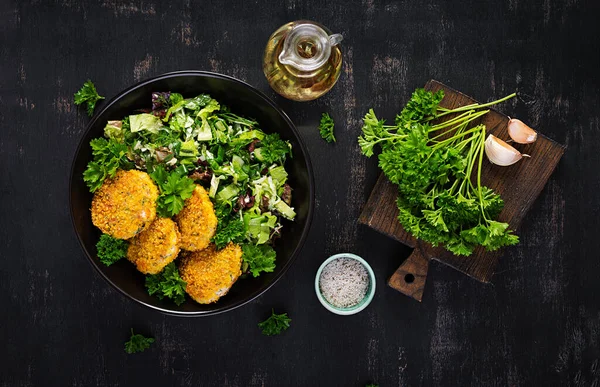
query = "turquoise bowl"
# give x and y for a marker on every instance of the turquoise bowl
(363, 303)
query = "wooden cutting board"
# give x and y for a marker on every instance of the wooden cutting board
(519, 185)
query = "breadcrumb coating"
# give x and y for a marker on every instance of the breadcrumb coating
(155, 247)
(197, 221)
(125, 204)
(210, 273)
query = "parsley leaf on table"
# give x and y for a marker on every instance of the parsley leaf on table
(88, 94)
(275, 324)
(175, 187)
(137, 343)
(108, 157)
(326, 128)
(110, 249)
(168, 284)
(259, 258)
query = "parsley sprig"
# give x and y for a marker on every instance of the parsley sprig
(175, 187)
(168, 284)
(108, 157)
(326, 128)
(88, 95)
(258, 258)
(437, 169)
(272, 149)
(275, 324)
(229, 230)
(137, 343)
(110, 249)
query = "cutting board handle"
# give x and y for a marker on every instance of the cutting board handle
(411, 275)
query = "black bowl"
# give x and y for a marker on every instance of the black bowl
(243, 99)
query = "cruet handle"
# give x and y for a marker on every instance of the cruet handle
(335, 39)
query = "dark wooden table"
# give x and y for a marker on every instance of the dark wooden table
(537, 324)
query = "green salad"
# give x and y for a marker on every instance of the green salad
(181, 142)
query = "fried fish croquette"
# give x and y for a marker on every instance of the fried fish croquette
(125, 204)
(155, 247)
(197, 221)
(210, 273)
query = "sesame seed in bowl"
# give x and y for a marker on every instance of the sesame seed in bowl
(345, 284)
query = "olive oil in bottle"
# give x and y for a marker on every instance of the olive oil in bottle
(302, 60)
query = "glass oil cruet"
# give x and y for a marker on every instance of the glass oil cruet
(302, 60)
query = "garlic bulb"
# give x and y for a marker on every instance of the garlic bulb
(520, 132)
(500, 153)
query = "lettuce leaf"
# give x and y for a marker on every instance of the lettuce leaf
(145, 122)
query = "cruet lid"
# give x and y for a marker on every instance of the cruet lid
(308, 46)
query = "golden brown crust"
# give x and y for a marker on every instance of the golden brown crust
(197, 221)
(155, 247)
(125, 204)
(210, 273)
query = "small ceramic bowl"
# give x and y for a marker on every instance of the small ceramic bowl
(363, 303)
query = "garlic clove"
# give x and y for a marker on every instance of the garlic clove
(500, 153)
(520, 132)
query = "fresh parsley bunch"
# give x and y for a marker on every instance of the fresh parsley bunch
(437, 169)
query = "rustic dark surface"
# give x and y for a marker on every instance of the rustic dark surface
(519, 185)
(538, 324)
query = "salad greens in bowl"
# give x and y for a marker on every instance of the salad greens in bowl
(200, 189)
